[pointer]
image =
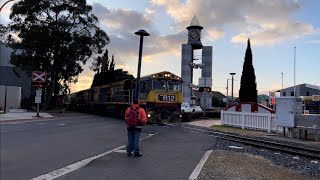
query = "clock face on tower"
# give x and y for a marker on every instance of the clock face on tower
(194, 34)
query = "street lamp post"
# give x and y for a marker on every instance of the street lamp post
(232, 74)
(227, 92)
(141, 33)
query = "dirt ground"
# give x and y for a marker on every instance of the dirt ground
(233, 165)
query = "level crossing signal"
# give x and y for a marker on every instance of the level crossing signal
(37, 85)
(207, 89)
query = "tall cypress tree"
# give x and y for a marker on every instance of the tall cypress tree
(248, 87)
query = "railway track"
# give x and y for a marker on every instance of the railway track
(262, 143)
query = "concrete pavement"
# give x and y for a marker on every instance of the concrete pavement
(205, 123)
(11, 116)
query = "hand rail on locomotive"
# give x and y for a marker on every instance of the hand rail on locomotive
(113, 97)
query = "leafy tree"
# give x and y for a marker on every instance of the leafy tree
(248, 87)
(96, 65)
(107, 72)
(57, 37)
(105, 62)
(112, 64)
(3, 34)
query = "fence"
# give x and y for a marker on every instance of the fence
(246, 120)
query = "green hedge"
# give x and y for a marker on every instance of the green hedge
(189, 116)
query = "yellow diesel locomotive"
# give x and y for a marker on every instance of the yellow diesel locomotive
(160, 94)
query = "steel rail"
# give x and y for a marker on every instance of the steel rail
(291, 149)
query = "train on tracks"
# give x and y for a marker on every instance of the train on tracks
(160, 95)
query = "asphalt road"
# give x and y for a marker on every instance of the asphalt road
(31, 149)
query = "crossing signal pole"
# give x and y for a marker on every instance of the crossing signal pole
(38, 77)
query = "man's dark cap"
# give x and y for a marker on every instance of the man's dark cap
(135, 101)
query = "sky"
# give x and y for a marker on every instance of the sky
(274, 27)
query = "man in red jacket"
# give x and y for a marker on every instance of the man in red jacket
(135, 117)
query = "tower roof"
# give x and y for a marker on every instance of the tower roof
(194, 21)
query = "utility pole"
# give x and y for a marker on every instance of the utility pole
(294, 71)
(282, 79)
(232, 74)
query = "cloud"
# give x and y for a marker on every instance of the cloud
(123, 20)
(313, 42)
(84, 81)
(265, 22)
(274, 33)
(121, 24)
(214, 34)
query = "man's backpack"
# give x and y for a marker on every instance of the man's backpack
(133, 117)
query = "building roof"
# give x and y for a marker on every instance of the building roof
(218, 95)
(305, 85)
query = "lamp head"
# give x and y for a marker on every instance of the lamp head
(232, 74)
(142, 32)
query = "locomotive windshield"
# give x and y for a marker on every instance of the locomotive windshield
(159, 85)
(166, 85)
(174, 86)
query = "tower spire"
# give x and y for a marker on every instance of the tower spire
(194, 21)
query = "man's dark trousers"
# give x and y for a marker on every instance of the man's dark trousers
(133, 140)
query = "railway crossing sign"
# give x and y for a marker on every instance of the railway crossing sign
(39, 76)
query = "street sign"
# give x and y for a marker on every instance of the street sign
(316, 98)
(39, 76)
(39, 92)
(37, 99)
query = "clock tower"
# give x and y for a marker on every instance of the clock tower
(194, 33)
(189, 62)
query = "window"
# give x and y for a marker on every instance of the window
(158, 85)
(283, 93)
(308, 93)
(143, 86)
(174, 86)
(292, 93)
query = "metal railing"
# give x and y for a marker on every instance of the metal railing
(117, 97)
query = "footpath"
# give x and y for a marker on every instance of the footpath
(14, 116)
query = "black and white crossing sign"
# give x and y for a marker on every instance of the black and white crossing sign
(39, 76)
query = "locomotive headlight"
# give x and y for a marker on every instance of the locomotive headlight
(149, 115)
(180, 115)
(166, 75)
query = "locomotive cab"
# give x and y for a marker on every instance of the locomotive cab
(161, 96)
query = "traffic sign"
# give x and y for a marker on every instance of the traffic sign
(39, 76)
(38, 93)
(37, 99)
(316, 98)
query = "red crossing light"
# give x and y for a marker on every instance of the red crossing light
(36, 85)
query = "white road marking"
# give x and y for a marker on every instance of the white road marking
(62, 124)
(120, 151)
(235, 147)
(72, 167)
(197, 170)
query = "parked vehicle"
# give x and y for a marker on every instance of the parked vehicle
(185, 107)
